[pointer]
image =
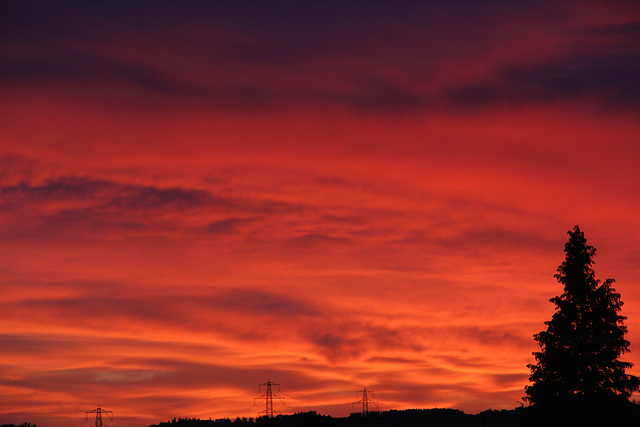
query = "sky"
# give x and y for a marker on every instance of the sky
(199, 197)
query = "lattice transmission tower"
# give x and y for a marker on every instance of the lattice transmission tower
(99, 411)
(268, 397)
(367, 398)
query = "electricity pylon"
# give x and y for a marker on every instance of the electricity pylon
(366, 395)
(268, 397)
(99, 411)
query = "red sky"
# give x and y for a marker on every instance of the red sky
(197, 198)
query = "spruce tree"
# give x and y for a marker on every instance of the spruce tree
(579, 358)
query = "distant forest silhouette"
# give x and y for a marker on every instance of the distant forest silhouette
(519, 417)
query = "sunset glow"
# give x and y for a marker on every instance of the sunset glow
(196, 198)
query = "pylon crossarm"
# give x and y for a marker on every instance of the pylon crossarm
(98, 411)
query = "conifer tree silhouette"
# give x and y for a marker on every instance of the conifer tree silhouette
(578, 361)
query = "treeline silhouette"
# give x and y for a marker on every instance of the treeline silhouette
(409, 418)
(628, 415)
(532, 416)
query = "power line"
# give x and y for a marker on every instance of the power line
(316, 404)
(365, 403)
(302, 400)
(243, 410)
(384, 404)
